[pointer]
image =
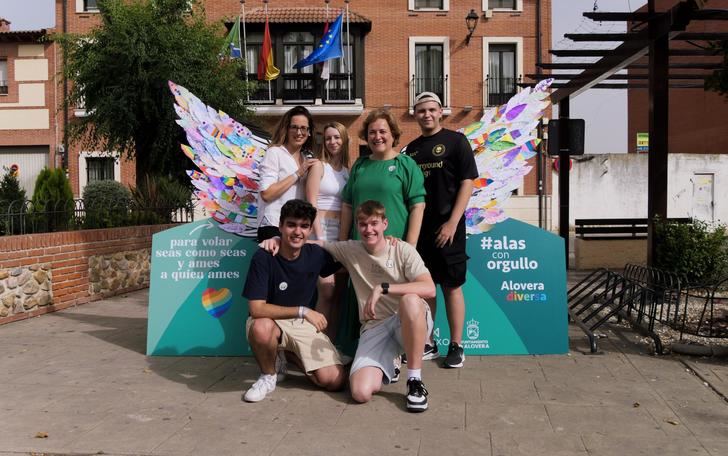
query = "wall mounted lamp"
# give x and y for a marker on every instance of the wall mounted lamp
(471, 21)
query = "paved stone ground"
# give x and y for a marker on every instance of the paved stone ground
(78, 382)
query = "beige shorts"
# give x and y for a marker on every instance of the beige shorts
(314, 349)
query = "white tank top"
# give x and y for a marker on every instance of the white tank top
(332, 183)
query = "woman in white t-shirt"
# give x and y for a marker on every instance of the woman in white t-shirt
(325, 181)
(283, 168)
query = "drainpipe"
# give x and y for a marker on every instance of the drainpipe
(66, 151)
(539, 158)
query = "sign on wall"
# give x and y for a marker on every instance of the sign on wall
(515, 292)
(643, 142)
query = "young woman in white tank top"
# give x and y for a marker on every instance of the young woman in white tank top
(325, 182)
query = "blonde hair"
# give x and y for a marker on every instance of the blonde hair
(388, 117)
(371, 208)
(325, 155)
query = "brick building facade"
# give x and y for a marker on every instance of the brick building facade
(398, 48)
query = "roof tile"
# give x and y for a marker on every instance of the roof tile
(301, 15)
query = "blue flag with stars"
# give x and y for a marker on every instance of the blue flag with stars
(328, 48)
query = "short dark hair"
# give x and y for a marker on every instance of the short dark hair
(371, 208)
(298, 209)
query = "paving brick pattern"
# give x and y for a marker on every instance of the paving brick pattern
(78, 382)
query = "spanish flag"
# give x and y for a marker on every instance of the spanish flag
(266, 70)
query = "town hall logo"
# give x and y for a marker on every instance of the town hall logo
(473, 329)
(438, 150)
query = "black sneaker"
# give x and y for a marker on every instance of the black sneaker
(395, 378)
(455, 356)
(416, 396)
(430, 352)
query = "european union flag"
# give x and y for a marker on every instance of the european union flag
(328, 48)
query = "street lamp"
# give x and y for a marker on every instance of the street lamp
(471, 21)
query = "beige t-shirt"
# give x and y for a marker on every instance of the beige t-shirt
(398, 263)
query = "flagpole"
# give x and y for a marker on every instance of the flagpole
(348, 52)
(270, 93)
(245, 47)
(327, 21)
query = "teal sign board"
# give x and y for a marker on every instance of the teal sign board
(515, 292)
(195, 302)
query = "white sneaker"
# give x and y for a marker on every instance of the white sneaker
(265, 385)
(281, 366)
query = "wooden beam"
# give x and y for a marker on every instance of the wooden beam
(606, 52)
(637, 16)
(635, 66)
(617, 77)
(628, 52)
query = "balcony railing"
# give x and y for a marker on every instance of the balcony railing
(337, 89)
(265, 93)
(499, 90)
(299, 88)
(3, 87)
(424, 84)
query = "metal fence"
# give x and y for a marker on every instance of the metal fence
(25, 217)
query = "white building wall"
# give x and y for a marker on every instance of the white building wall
(615, 186)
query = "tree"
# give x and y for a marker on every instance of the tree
(718, 81)
(12, 203)
(120, 72)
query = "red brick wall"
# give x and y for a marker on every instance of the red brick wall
(697, 122)
(68, 253)
(386, 56)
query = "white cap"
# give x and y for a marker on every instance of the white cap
(427, 96)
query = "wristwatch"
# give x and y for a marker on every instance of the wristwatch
(385, 288)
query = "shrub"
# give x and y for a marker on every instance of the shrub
(696, 250)
(53, 203)
(107, 204)
(158, 198)
(12, 201)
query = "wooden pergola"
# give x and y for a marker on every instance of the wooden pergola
(650, 35)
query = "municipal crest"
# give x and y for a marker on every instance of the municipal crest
(473, 329)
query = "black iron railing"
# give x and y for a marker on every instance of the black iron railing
(265, 91)
(338, 89)
(24, 217)
(499, 90)
(299, 87)
(434, 85)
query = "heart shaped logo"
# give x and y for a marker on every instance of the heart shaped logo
(217, 302)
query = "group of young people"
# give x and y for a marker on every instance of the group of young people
(394, 221)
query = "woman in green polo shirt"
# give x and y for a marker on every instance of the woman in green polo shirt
(386, 176)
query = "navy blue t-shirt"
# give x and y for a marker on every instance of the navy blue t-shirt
(288, 283)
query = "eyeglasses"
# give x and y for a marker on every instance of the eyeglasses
(297, 128)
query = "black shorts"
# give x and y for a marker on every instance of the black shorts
(448, 275)
(447, 265)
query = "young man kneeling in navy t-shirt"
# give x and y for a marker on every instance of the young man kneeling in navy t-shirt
(280, 291)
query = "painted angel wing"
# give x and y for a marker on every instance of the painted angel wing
(227, 156)
(503, 139)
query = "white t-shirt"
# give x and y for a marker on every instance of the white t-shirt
(277, 164)
(332, 182)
